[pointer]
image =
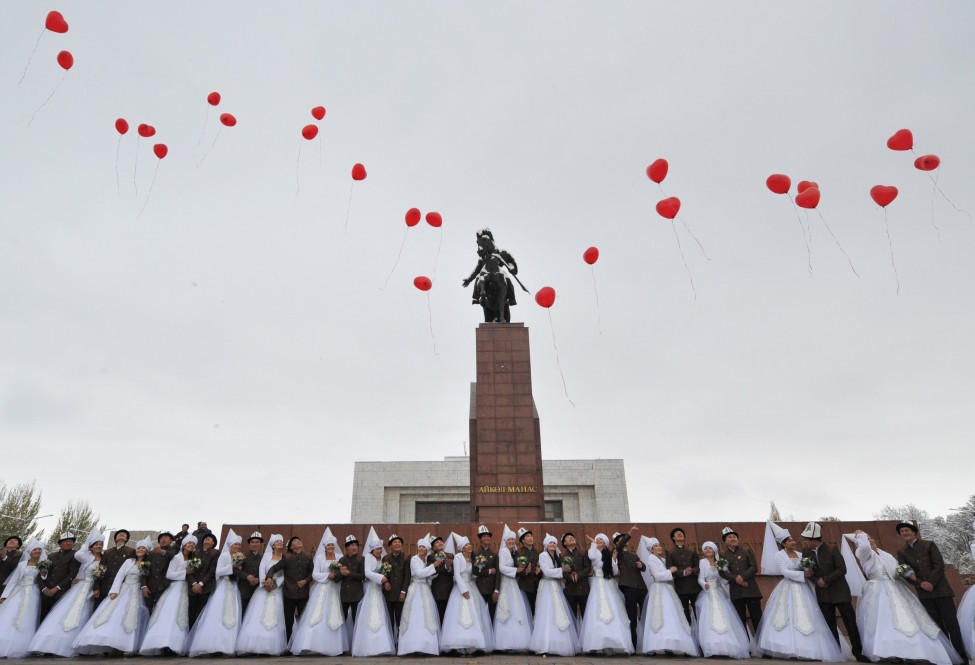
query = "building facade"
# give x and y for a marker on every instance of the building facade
(434, 491)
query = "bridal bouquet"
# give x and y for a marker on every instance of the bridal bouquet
(335, 567)
(194, 564)
(480, 561)
(440, 555)
(905, 571)
(721, 564)
(386, 568)
(521, 562)
(144, 567)
(807, 563)
(98, 572)
(45, 565)
(567, 561)
(237, 558)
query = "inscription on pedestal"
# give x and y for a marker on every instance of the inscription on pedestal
(506, 452)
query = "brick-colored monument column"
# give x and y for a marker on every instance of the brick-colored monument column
(506, 448)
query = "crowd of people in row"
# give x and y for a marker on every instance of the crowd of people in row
(183, 595)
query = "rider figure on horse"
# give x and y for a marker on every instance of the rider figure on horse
(492, 287)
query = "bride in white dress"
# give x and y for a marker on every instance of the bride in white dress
(262, 630)
(792, 625)
(554, 632)
(966, 613)
(419, 627)
(20, 604)
(605, 625)
(57, 633)
(719, 631)
(467, 621)
(321, 629)
(119, 622)
(892, 621)
(169, 623)
(215, 630)
(373, 632)
(512, 616)
(664, 627)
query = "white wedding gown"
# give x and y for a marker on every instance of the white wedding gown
(20, 612)
(892, 621)
(719, 630)
(663, 624)
(605, 625)
(467, 621)
(215, 630)
(419, 627)
(512, 616)
(792, 625)
(57, 633)
(262, 630)
(321, 630)
(966, 616)
(120, 623)
(554, 632)
(169, 623)
(373, 633)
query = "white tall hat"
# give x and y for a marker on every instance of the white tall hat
(778, 532)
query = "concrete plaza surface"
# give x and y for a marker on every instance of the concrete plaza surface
(492, 659)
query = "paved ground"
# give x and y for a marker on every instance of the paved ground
(432, 660)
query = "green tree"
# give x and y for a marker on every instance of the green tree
(76, 517)
(19, 506)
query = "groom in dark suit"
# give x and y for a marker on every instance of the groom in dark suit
(833, 593)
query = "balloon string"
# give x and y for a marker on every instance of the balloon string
(934, 191)
(36, 44)
(207, 153)
(118, 187)
(681, 250)
(557, 363)
(206, 117)
(135, 167)
(957, 209)
(396, 263)
(63, 76)
(348, 209)
(298, 168)
(890, 244)
(436, 259)
(688, 229)
(151, 184)
(599, 326)
(320, 149)
(805, 236)
(430, 315)
(848, 259)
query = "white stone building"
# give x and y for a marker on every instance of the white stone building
(410, 492)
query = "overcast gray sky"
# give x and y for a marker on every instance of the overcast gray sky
(231, 350)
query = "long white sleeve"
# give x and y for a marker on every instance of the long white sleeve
(176, 572)
(659, 569)
(321, 572)
(370, 566)
(704, 568)
(785, 567)
(460, 565)
(420, 569)
(12, 580)
(549, 568)
(120, 576)
(225, 566)
(505, 565)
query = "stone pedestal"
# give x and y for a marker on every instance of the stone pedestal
(506, 450)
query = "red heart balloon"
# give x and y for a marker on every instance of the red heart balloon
(901, 140)
(669, 207)
(883, 195)
(359, 173)
(778, 183)
(213, 98)
(309, 131)
(434, 219)
(145, 131)
(161, 150)
(658, 170)
(423, 283)
(228, 120)
(66, 60)
(927, 162)
(55, 22)
(591, 255)
(808, 198)
(545, 296)
(121, 126)
(806, 184)
(318, 112)
(412, 216)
